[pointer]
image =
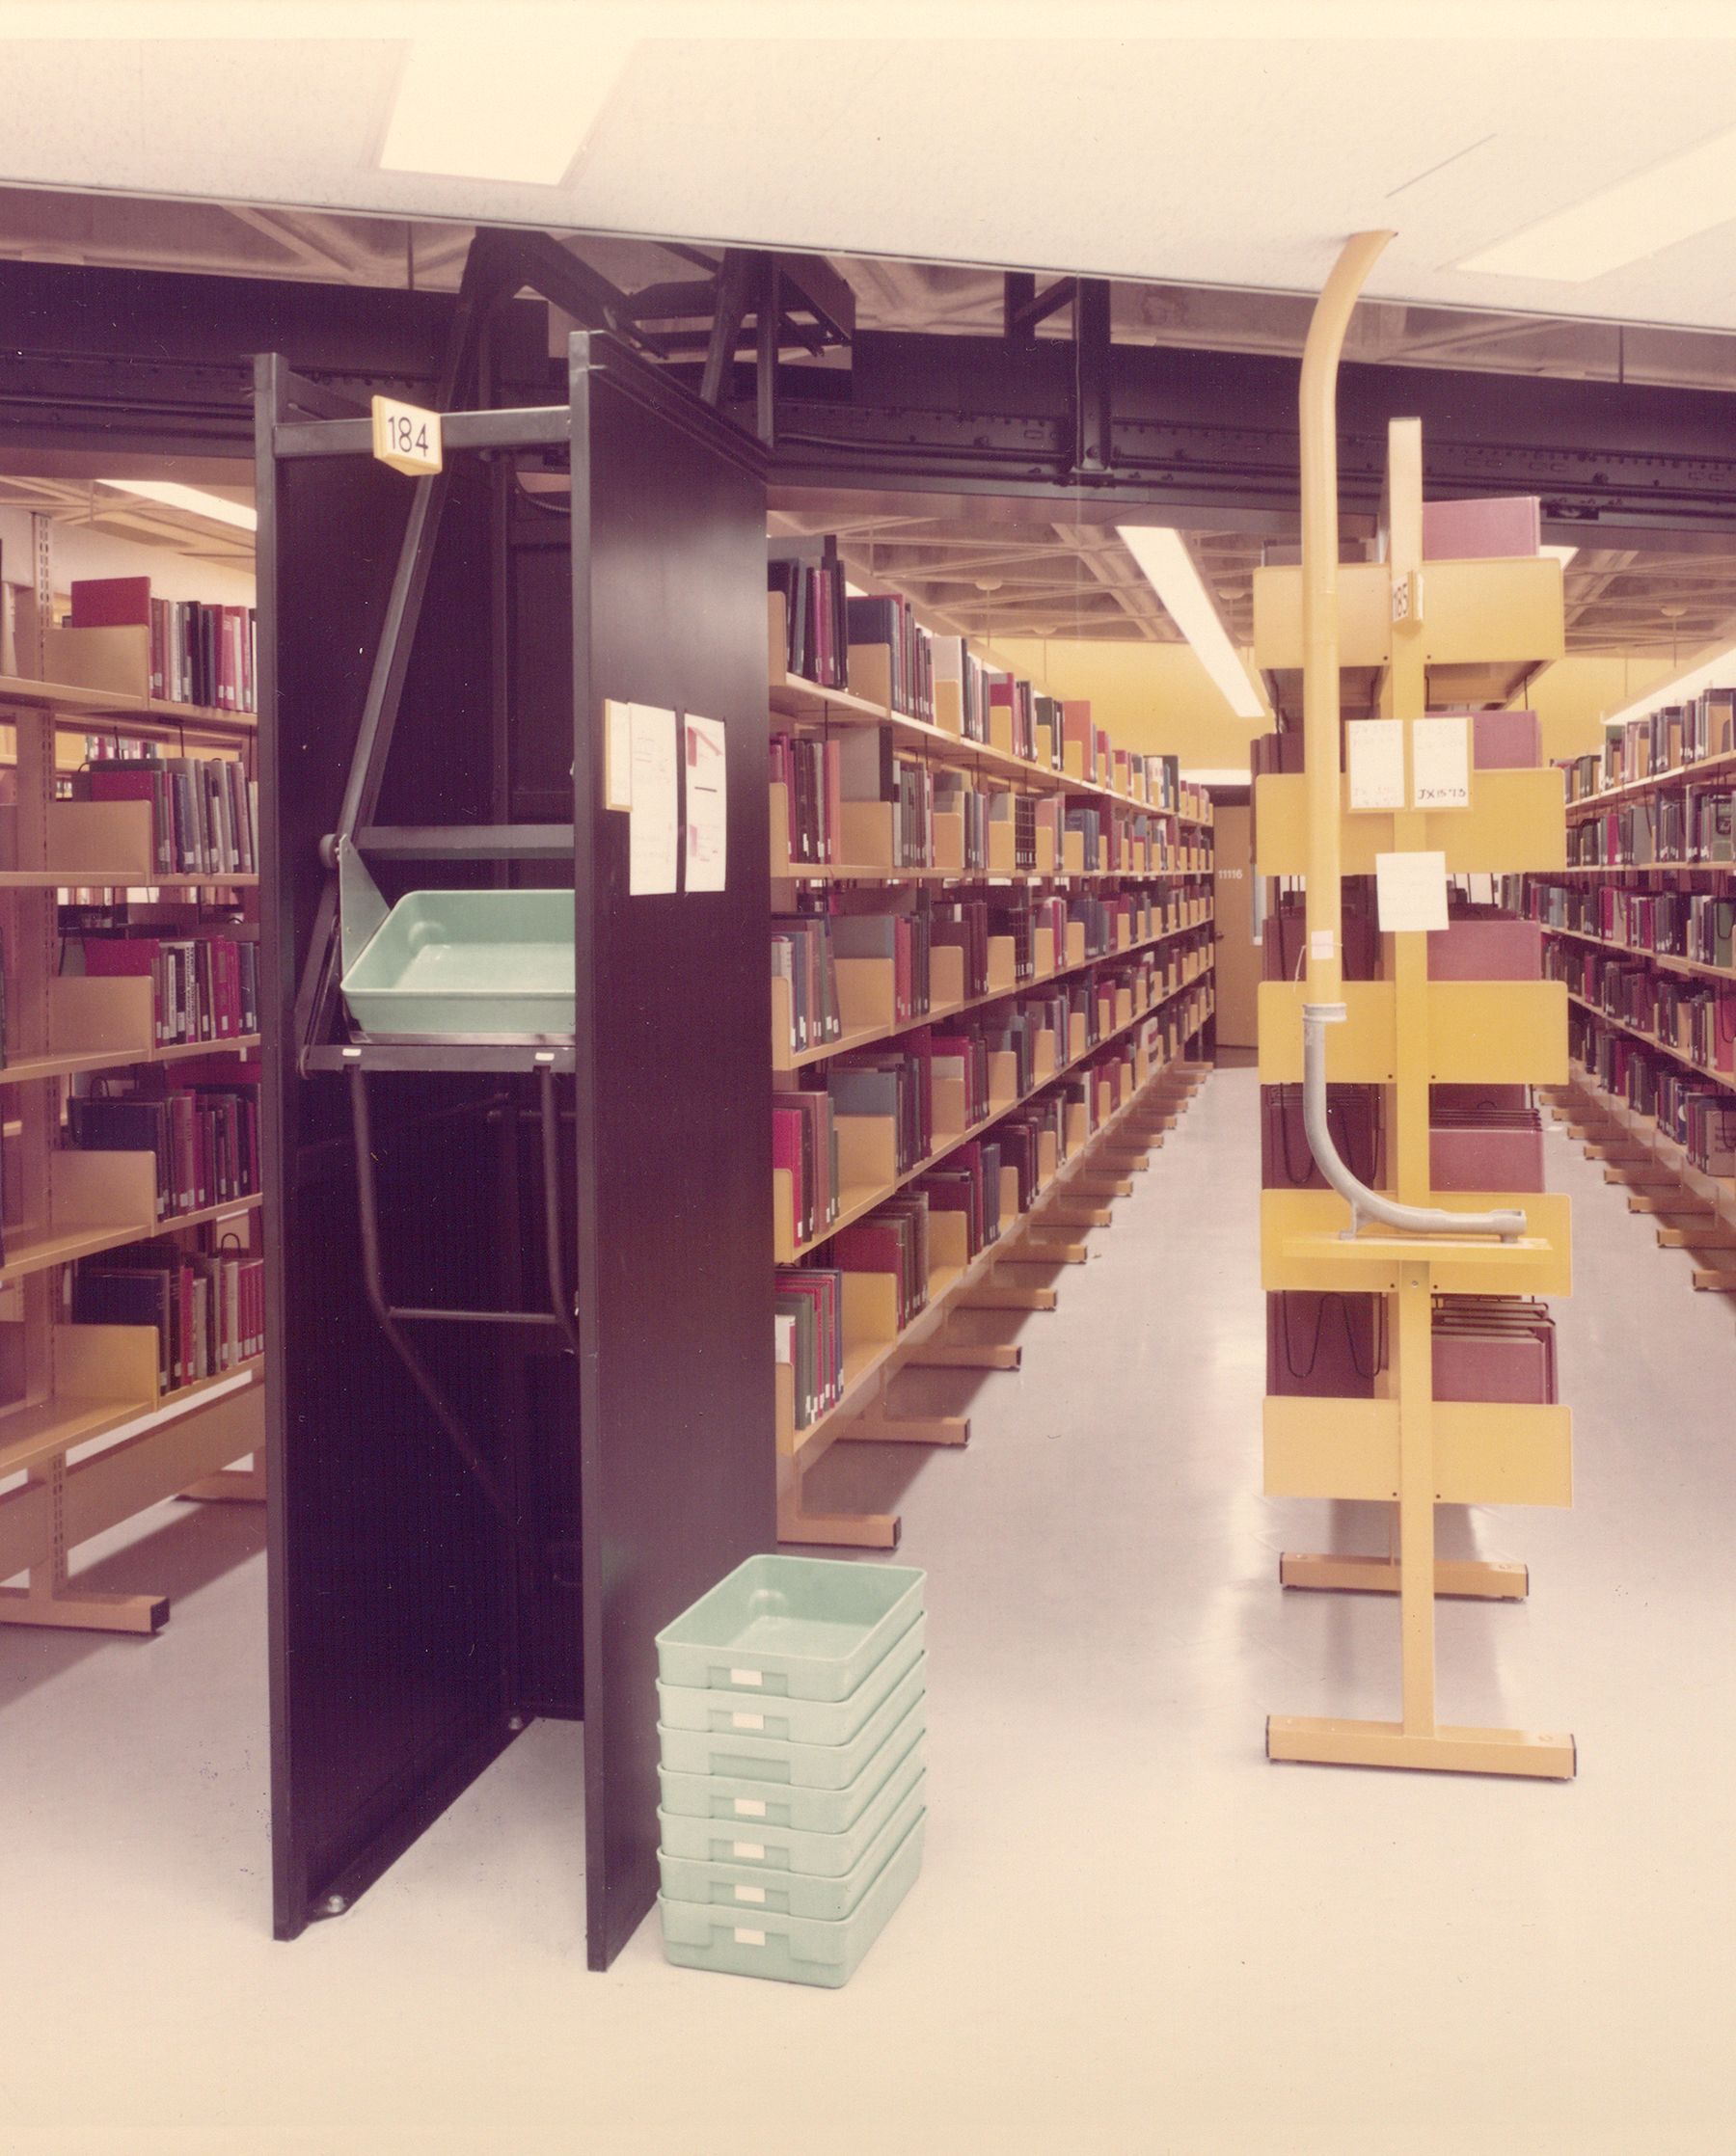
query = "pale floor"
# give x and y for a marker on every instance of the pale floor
(1133, 1933)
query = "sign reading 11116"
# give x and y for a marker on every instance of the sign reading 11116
(406, 437)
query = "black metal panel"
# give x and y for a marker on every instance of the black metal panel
(391, 1592)
(163, 363)
(1216, 432)
(673, 1150)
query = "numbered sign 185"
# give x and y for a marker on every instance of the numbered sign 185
(406, 437)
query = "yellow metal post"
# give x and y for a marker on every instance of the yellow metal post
(1319, 412)
(1428, 1453)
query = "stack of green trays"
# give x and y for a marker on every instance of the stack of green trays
(793, 1699)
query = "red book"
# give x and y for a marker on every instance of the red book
(111, 603)
(1077, 726)
(786, 1152)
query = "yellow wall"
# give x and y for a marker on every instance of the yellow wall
(1573, 696)
(1154, 698)
(1159, 699)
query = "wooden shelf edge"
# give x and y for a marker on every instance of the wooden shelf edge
(31, 1436)
(33, 1068)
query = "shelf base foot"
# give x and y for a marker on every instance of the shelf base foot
(233, 1486)
(901, 1429)
(840, 1530)
(139, 1615)
(1713, 1282)
(1466, 1578)
(963, 1355)
(998, 1296)
(1325, 1741)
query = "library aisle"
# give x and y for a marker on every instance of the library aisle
(1139, 1934)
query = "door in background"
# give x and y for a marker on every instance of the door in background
(1235, 898)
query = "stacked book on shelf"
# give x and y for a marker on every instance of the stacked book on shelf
(203, 987)
(205, 810)
(207, 1306)
(809, 577)
(792, 1707)
(203, 1134)
(808, 1306)
(198, 654)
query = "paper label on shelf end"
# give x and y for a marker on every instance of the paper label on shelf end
(751, 1894)
(1322, 943)
(1410, 892)
(745, 1938)
(747, 1677)
(749, 1808)
(748, 1721)
(753, 1851)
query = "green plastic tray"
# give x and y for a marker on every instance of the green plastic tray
(799, 1721)
(793, 1950)
(805, 1627)
(749, 1845)
(751, 1804)
(743, 1757)
(790, 1893)
(467, 962)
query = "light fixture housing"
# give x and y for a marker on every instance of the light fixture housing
(1692, 192)
(1168, 567)
(173, 495)
(520, 115)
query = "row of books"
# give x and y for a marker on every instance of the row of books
(906, 1082)
(1663, 740)
(823, 775)
(1698, 824)
(1695, 1019)
(893, 1239)
(1702, 1120)
(204, 1136)
(1695, 924)
(806, 948)
(808, 1332)
(811, 580)
(203, 987)
(205, 655)
(205, 810)
(207, 1306)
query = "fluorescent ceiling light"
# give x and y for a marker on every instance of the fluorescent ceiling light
(517, 109)
(1717, 672)
(241, 514)
(1638, 216)
(1169, 569)
(1562, 555)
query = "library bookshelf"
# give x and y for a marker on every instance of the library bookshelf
(1639, 927)
(89, 1434)
(1124, 1063)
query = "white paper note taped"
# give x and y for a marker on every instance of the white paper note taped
(1321, 944)
(1410, 892)
(1374, 752)
(751, 1852)
(617, 756)
(1441, 763)
(748, 1721)
(707, 804)
(751, 1894)
(746, 1938)
(749, 1808)
(654, 837)
(747, 1677)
